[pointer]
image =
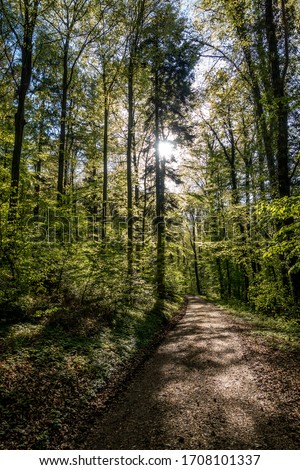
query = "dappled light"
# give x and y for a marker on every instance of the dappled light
(149, 159)
(205, 394)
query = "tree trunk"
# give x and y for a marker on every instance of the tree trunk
(26, 54)
(196, 263)
(266, 133)
(105, 158)
(159, 189)
(130, 131)
(63, 119)
(280, 101)
(281, 112)
(136, 173)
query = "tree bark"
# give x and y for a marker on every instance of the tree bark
(280, 100)
(195, 253)
(159, 189)
(105, 158)
(130, 131)
(63, 119)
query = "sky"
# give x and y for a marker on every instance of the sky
(187, 6)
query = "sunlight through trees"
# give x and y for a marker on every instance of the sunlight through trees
(149, 146)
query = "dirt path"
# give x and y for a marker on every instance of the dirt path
(201, 389)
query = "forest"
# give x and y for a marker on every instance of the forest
(149, 149)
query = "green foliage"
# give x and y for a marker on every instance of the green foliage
(57, 367)
(284, 214)
(78, 294)
(270, 297)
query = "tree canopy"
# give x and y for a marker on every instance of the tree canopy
(147, 148)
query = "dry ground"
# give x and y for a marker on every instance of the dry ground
(209, 385)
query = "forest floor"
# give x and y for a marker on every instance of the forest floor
(210, 384)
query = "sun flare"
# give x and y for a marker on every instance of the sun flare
(166, 148)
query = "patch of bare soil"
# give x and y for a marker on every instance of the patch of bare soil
(208, 386)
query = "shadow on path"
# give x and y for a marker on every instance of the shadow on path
(196, 392)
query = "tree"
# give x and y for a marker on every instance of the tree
(172, 57)
(74, 26)
(253, 43)
(20, 19)
(134, 40)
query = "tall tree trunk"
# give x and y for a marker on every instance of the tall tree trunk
(195, 253)
(159, 188)
(26, 55)
(105, 158)
(280, 100)
(281, 112)
(266, 132)
(267, 139)
(63, 123)
(144, 201)
(134, 38)
(136, 173)
(130, 131)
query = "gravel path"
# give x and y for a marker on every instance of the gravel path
(199, 390)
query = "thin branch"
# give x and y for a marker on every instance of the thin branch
(286, 40)
(229, 59)
(13, 30)
(294, 169)
(228, 158)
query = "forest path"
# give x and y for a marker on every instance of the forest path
(199, 390)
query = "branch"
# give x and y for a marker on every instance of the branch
(219, 140)
(10, 65)
(87, 41)
(229, 59)
(286, 41)
(294, 169)
(10, 24)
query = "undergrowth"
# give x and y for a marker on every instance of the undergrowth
(54, 367)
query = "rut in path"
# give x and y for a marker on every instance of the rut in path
(197, 391)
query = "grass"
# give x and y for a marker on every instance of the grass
(53, 370)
